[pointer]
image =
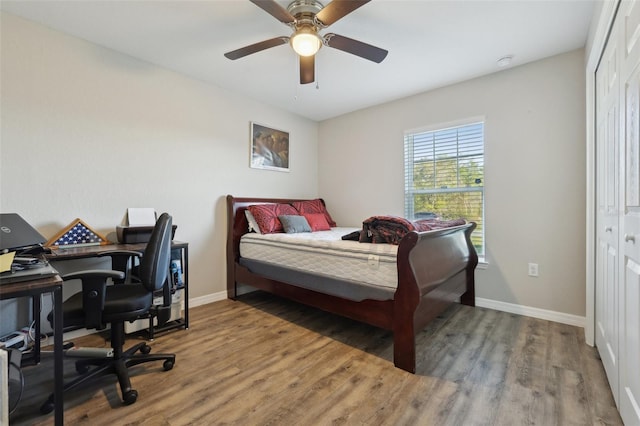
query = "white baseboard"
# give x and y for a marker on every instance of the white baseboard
(209, 298)
(221, 295)
(512, 308)
(544, 314)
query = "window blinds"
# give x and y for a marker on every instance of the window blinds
(444, 175)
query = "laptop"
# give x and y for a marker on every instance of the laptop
(17, 235)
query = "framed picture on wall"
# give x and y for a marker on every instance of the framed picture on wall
(269, 148)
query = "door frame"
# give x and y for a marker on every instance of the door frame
(603, 21)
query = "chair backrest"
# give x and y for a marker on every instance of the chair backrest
(154, 266)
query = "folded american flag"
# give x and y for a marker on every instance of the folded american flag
(77, 234)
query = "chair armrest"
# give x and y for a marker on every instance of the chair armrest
(129, 253)
(120, 261)
(94, 289)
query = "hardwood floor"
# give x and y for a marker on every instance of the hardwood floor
(266, 361)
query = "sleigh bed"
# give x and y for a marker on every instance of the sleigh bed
(434, 269)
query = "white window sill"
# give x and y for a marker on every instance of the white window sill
(482, 263)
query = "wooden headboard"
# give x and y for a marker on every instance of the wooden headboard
(238, 226)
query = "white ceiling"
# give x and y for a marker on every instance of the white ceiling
(431, 43)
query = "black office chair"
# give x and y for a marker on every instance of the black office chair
(128, 261)
(100, 304)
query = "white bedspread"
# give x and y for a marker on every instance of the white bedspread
(324, 252)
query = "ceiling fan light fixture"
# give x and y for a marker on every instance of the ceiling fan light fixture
(306, 19)
(305, 42)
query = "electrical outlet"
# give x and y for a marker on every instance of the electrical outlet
(533, 269)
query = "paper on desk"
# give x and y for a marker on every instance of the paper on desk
(141, 216)
(6, 260)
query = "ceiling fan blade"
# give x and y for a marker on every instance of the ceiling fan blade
(355, 47)
(338, 9)
(275, 10)
(307, 69)
(257, 47)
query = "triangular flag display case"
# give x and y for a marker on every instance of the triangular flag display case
(77, 234)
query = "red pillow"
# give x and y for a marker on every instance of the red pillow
(267, 216)
(313, 206)
(317, 222)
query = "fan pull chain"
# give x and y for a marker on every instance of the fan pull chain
(315, 67)
(296, 65)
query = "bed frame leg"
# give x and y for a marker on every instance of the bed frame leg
(404, 351)
(469, 297)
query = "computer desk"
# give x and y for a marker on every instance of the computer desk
(35, 289)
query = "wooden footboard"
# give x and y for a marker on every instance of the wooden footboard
(435, 268)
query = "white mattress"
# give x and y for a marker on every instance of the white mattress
(324, 252)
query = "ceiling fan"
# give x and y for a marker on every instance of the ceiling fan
(307, 18)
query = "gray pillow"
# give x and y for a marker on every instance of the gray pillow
(294, 224)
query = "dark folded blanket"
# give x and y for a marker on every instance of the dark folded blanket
(354, 236)
(391, 229)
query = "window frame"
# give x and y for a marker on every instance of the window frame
(409, 194)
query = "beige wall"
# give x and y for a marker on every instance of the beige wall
(87, 132)
(534, 182)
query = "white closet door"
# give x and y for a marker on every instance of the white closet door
(630, 218)
(607, 215)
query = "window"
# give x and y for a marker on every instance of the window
(444, 175)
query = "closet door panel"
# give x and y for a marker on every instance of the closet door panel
(630, 251)
(629, 235)
(630, 348)
(608, 151)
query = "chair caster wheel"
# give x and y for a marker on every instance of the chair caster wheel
(47, 407)
(168, 365)
(145, 349)
(130, 397)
